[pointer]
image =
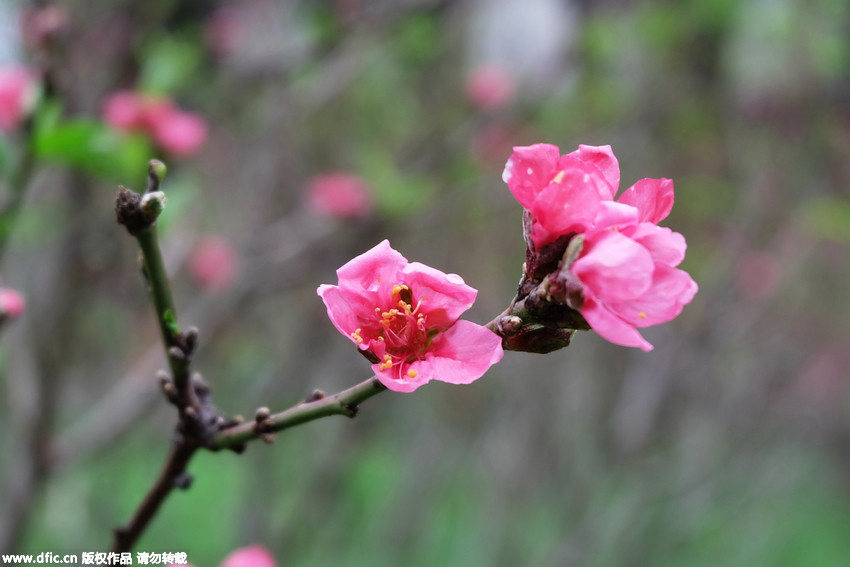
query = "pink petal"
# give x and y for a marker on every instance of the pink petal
(442, 297)
(671, 290)
(464, 353)
(601, 157)
(529, 170)
(611, 327)
(652, 197)
(252, 556)
(569, 203)
(614, 266)
(613, 214)
(665, 246)
(397, 378)
(372, 273)
(345, 312)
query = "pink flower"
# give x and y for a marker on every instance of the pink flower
(11, 303)
(125, 111)
(180, 133)
(339, 195)
(629, 280)
(490, 87)
(574, 192)
(18, 93)
(252, 556)
(214, 264)
(175, 131)
(404, 317)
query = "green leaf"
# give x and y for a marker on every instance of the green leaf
(169, 63)
(828, 218)
(92, 147)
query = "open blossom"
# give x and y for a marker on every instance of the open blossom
(339, 195)
(625, 276)
(404, 316)
(175, 131)
(575, 192)
(18, 93)
(629, 280)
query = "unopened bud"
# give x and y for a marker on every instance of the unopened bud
(156, 173)
(191, 338)
(262, 414)
(268, 438)
(509, 325)
(153, 204)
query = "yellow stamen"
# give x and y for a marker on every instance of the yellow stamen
(397, 288)
(558, 178)
(356, 336)
(388, 362)
(642, 315)
(412, 373)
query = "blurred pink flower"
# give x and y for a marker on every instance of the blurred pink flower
(214, 264)
(574, 192)
(180, 133)
(252, 556)
(629, 280)
(339, 195)
(404, 317)
(11, 303)
(125, 110)
(18, 93)
(490, 87)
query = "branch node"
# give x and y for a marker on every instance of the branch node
(182, 481)
(315, 396)
(268, 438)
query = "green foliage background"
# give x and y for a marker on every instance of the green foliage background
(727, 445)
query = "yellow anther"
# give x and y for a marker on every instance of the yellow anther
(389, 314)
(356, 336)
(642, 315)
(388, 362)
(399, 287)
(377, 309)
(412, 373)
(558, 178)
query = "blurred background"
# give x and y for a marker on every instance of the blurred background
(729, 444)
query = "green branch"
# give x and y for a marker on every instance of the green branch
(344, 403)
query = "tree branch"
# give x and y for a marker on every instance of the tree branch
(317, 406)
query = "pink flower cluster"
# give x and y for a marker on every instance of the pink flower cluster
(627, 264)
(175, 131)
(404, 317)
(214, 264)
(18, 94)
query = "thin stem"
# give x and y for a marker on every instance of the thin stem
(344, 403)
(173, 476)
